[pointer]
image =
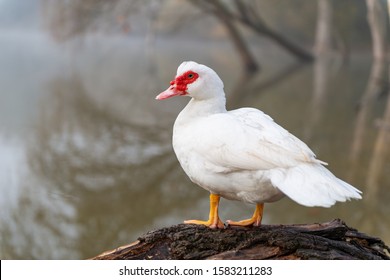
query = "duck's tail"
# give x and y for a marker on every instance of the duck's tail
(313, 185)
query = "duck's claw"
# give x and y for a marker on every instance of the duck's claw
(254, 221)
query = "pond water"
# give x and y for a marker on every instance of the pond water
(86, 162)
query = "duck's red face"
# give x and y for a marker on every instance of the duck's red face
(179, 85)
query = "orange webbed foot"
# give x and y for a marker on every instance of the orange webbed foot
(214, 221)
(254, 221)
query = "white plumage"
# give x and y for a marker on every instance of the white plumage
(243, 154)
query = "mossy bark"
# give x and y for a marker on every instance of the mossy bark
(331, 240)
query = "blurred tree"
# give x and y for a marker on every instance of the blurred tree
(323, 41)
(69, 19)
(247, 13)
(377, 84)
(283, 22)
(376, 16)
(219, 10)
(377, 20)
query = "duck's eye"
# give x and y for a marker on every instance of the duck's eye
(190, 76)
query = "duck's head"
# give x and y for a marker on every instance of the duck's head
(195, 80)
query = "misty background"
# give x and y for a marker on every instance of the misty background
(86, 161)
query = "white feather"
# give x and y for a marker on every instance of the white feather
(312, 185)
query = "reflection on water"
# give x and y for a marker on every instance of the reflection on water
(90, 166)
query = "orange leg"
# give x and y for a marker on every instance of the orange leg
(214, 221)
(255, 220)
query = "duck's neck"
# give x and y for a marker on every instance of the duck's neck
(205, 107)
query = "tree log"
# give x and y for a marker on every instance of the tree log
(327, 241)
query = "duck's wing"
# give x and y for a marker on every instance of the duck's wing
(248, 139)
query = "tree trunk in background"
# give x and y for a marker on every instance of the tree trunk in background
(323, 40)
(377, 21)
(380, 153)
(219, 10)
(376, 86)
(244, 13)
(252, 19)
(381, 147)
(153, 9)
(281, 40)
(248, 59)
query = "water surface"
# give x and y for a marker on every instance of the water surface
(86, 162)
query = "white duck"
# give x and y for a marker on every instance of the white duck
(243, 154)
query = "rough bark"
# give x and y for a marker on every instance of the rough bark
(331, 240)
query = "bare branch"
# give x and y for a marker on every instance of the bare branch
(221, 12)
